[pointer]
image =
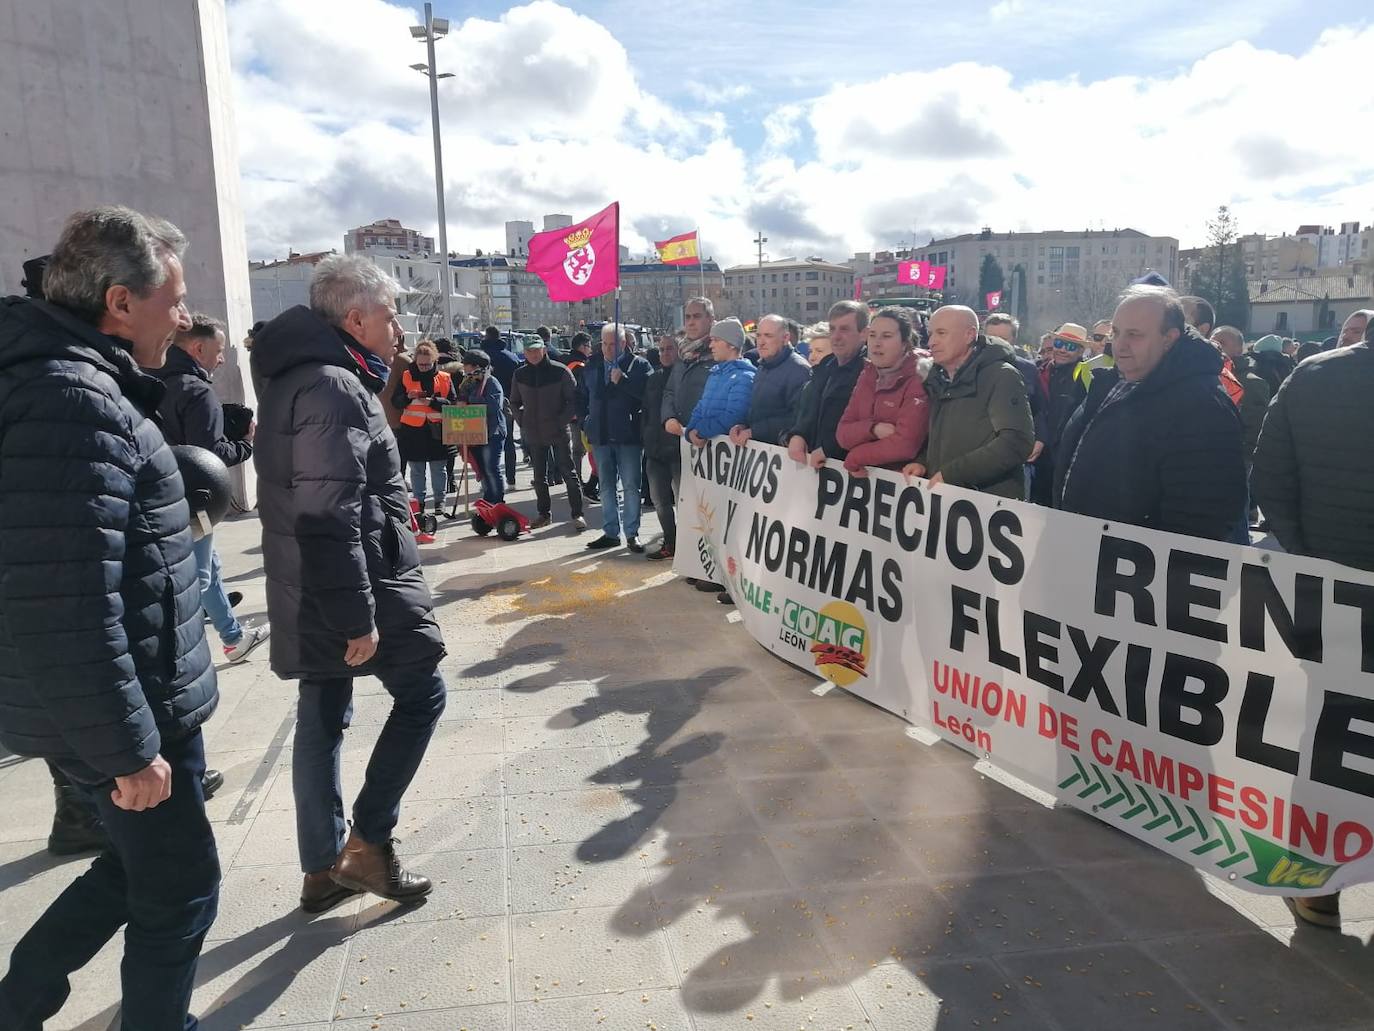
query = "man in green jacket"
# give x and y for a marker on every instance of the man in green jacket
(981, 429)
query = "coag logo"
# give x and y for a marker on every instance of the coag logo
(838, 636)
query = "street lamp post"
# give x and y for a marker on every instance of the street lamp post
(433, 29)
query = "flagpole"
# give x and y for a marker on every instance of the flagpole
(701, 262)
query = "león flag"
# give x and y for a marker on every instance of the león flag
(580, 261)
(680, 250)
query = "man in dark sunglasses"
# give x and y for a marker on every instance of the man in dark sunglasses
(1100, 339)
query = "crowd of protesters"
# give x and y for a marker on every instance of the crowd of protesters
(1156, 417)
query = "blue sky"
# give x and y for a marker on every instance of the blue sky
(832, 128)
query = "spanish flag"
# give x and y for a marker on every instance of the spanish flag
(680, 250)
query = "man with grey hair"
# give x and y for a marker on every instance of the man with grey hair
(981, 429)
(614, 405)
(104, 666)
(783, 375)
(1157, 442)
(345, 590)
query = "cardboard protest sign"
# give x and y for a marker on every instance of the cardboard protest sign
(465, 425)
(1213, 700)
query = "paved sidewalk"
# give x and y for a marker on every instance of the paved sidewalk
(638, 818)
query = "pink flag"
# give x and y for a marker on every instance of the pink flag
(859, 288)
(934, 278)
(580, 261)
(912, 272)
(994, 299)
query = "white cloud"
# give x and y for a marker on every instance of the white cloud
(547, 113)
(1006, 9)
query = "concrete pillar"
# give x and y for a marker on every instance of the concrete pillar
(128, 102)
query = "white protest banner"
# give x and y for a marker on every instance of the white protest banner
(1216, 701)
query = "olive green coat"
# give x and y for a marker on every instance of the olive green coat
(981, 431)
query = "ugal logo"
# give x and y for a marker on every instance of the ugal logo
(581, 259)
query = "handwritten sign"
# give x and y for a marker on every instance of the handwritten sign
(465, 425)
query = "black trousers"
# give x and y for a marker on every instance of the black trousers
(561, 454)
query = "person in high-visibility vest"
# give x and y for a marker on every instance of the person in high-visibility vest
(421, 393)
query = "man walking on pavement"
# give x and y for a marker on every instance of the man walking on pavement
(104, 666)
(615, 399)
(345, 589)
(192, 414)
(544, 400)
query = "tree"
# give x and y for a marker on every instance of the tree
(1220, 276)
(989, 279)
(1018, 278)
(1090, 294)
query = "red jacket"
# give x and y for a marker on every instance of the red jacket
(902, 402)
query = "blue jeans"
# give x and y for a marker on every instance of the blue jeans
(489, 460)
(322, 715)
(619, 462)
(438, 477)
(160, 876)
(212, 596)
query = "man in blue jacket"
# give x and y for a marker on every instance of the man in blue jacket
(104, 666)
(504, 362)
(614, 405)
(782, 376)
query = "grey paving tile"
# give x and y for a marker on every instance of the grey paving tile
(750, 939)
(746, 720)
(466, 885)
(694, 758)
(840, 710)
(30, 879)
(852, 852)
(1153, 900)
(558, 731)
(642, 1008)
(1116, 986)
(1067, 837)
(886, 746)
(802, 798)
(560, 876)
(553, 769)
(94, 999)
(465, 737)
(969, 994)
(252, 897)
(890, 923)
(373, 709)
(268, 978)
(467, 776)
(969, 843)
(247, 775)
(713, 865)
(425, 966)
(271, 840)
(1253, 980)
(581, 952)
(1016, 912)
(542, 817)
(772, 756)
(553, 699)
(450, 824)
(495, 1017)
(693, 807)
(937, 790)
(28, 795)
(783, 1004)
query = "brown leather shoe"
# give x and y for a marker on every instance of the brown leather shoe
(364, 866)
(319, 893)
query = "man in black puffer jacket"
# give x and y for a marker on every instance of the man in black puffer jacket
(345, 590)
(1314, 481)
(1157, 442)
(104, 666)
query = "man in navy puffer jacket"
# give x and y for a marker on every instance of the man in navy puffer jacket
(104, 667)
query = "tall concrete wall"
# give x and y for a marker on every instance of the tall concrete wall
(128, 102)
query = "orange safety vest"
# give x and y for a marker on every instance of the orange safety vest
(419, 412)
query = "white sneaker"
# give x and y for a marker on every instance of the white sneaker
(579, 523)
(252, 637)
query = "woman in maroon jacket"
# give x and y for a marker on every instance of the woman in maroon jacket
(888, 414)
